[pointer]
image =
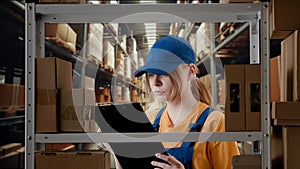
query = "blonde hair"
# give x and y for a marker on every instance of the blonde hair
(200, 92)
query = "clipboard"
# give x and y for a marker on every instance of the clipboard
(129, 118)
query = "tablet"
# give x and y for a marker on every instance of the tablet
(129, 118)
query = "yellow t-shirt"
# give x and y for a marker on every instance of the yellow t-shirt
(207, 155)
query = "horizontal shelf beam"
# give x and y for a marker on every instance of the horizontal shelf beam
(11, 120)
(142, 13)
(147, 137)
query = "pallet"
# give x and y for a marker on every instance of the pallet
(11, 110)
(227, 30)
(92, 59)
(62, 43)
(108, 68)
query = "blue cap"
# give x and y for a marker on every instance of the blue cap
(166, 54)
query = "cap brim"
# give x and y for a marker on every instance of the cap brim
(156, 68)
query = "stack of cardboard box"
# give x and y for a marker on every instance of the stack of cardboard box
(284, 95)
(52, 74)
(242, 104)
(59, 107)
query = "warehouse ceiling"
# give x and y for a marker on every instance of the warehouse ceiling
(12, 30)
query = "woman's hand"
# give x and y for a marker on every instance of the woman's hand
(172, 162)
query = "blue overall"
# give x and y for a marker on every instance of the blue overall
(184, 153)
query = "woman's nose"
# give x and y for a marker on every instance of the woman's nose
(156, 80)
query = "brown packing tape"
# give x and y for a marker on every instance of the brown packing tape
(46, 97)
(65, 114)
(77, 97)
(71, 113)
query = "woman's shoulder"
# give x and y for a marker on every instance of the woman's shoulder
(215, 121)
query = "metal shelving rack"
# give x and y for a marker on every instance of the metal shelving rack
(37, 15)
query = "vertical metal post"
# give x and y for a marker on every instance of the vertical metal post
(265, 92)
(83, 55)
(213, 81)
(30, 54)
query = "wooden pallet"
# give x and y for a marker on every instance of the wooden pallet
(227, 30)
(92, 59)
(11, 110)
(62, 43)
(108, 68)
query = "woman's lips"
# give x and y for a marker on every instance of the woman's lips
(158, 92)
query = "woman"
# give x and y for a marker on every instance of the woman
(171, 72)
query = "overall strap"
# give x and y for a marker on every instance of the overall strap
(157, 119)
(195, 127)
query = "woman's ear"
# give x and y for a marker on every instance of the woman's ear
(192, 69)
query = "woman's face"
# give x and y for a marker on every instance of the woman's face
(164, 86)
(161, 86)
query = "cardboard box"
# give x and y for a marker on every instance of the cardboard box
(252, 97)
(284, 18)
(73, 160)
(62, 33)
(296, 77)
(237, 1)
(77, 110)
(53, 73)
(286, 113)
(234, 104)
(12, 95)
(55, 30)
(274, 79)
(291, 139)
(46, 111)
(286, 69)
(290, 74)
(249, 161)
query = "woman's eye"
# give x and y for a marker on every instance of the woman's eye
(150, 74)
